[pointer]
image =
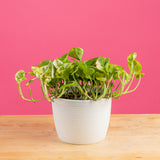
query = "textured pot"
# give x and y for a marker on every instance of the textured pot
(81, 121)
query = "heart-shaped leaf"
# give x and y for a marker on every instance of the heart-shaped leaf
(37, 70)
(135, 67)
(76, 53)
(102, 64)
(132, 57)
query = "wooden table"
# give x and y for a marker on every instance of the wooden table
(130, 137)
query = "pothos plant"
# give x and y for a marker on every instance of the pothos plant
(71, 78)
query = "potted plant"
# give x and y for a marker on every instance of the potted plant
(81, 92)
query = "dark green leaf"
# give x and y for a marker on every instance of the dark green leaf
(139, 75)
(43, 63)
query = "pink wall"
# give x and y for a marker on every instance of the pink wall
(35, 30)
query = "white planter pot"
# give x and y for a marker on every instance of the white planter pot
(81, 121)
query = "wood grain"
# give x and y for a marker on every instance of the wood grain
(130, 137)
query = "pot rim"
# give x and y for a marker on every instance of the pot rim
(77, 100)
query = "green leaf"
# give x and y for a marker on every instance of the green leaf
(92, 61)
(118, 68)
(102, 63)
(65, 70)
(64, 58)
(37, 70)
(100, 76)
(134, 67)
(117, 75)
(57, 63)
(43, 63)
(76, 53)
(87, 70)
(132, 57)
(137, 67)
(139, 75)
(51, 69)
(20, 76)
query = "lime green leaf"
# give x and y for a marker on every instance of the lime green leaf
(57, 63)
(134, 67)
(37, 70)
(102, 63)
(101, 79)
(76, 53)
(20, 76)
(137, 67)
(100, 76)
(132, 57)
(49, 71)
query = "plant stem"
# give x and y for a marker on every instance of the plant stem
(117, 96)
(96, 90)
(75, 95)
(104, 91)
(134, 88)
(129, 84)
(115, 91)
(21, 94)
(105, 88)
(30, 91)
(92, 89)
(44, 90)
(80, 88)
(63, 91)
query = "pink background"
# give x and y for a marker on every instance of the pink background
(36, 30)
